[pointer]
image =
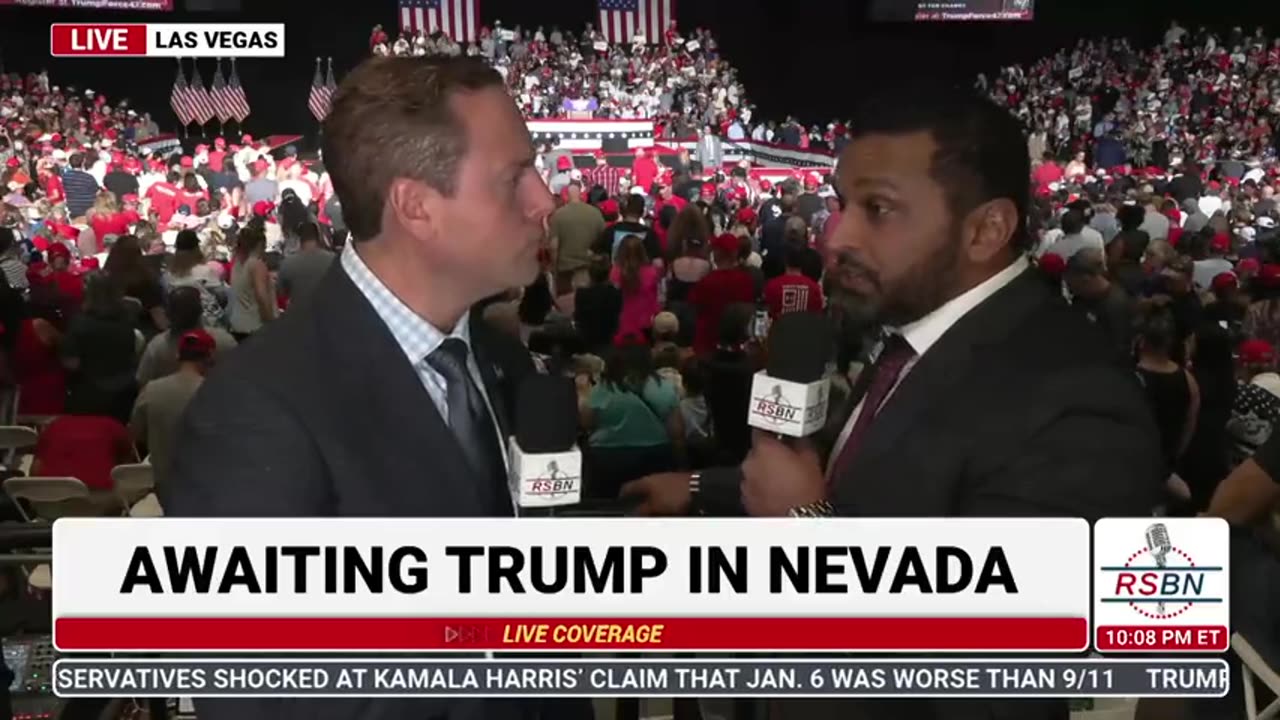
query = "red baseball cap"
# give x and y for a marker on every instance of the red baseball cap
(564, 162)
(1224, 281)
(1256, 352)
(57, 250)
(263, 208)
(1269, 275)
(186, 161)
(1053, 264)
(1248, 266)
(726, 242)
(1220, 243)
(609, 207)
(196, 344)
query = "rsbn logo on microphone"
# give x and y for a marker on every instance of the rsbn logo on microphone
(1161, 584)
(555, 483)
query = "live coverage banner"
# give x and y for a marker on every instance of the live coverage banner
(551, 584)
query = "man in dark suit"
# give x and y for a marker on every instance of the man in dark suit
(987, 396)
(382, 394)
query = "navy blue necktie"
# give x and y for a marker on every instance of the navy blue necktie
(469, 418)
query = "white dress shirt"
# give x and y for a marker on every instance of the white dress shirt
(417, 337)
(925, 333)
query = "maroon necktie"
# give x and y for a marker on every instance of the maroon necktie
(886, 370)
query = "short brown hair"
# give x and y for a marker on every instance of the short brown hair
(391, 118)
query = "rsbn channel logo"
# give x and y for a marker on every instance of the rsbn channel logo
(1160, 581)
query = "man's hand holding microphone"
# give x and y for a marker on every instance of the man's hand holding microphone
(783, 472)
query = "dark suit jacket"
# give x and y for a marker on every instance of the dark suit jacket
(320, 414)
(1019, 409)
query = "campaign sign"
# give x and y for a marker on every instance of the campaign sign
(1161, 584)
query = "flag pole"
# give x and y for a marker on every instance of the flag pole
(222, 124)
(185, 133)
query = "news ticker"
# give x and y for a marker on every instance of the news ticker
(1010, 585)
(621, 677)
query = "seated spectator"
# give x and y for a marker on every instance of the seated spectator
(185, 310)
(154, 423)
(85, 444)
(698, 431)
(632, 421)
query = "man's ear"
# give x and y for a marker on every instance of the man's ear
(414, 205)
(989, 229)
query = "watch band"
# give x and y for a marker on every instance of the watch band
(820, 509)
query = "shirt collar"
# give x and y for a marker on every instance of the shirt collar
(925, 332)
(415, 336)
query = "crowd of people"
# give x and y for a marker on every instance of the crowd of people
(684, 84)
(125, 271)
(127, 276)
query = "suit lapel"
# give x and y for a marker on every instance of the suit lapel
(401, 423)
(950, 360)
(493, 374)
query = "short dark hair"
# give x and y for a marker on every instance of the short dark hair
(633, 206)
(76, 161)
(185, 310)
(7, 239)
(982, 149)
(308, 232)
(390, 118)
(1072, 222)
(1131, 217)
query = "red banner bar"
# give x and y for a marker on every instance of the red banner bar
(656, 634)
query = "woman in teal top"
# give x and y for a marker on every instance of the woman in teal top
(631, 417)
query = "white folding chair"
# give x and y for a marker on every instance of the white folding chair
(147, 507)
(132, 482)
(50, 498)
(13, 439)
(1253, 666)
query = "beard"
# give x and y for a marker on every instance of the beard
(862, 300)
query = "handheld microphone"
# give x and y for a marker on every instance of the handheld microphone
(789, 397)
(545, 463)
(1159, 544)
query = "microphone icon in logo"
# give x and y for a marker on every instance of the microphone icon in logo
(1159, 544)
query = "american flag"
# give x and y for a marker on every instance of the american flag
(321, 95)
(200, 98)
(179, 98)
(221, 95)
(622, 20)
(235, 91)
(459, 19)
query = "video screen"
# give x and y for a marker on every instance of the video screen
(951, 10)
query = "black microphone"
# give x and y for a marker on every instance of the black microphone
(544, 460)
(789, 397)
